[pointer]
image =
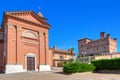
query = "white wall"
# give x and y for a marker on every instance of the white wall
(13, 68)
(44, 68)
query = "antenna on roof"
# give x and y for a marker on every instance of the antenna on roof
(39, 12)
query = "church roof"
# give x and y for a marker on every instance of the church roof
(38, 16)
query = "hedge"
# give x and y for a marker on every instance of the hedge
(107, 64)
(77, 67)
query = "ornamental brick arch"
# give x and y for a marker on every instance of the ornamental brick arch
(29, 34)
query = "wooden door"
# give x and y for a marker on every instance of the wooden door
(30, 63)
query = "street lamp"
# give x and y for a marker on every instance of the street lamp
(83, 53)
(111, 55)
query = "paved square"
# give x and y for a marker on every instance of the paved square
(58, 76)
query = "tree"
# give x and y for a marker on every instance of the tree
(72, 50)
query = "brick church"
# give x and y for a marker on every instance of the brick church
(24, 42)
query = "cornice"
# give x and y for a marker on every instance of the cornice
(41, 19)
(26, 21)
(63, 52)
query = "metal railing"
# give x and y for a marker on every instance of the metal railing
(86, 59)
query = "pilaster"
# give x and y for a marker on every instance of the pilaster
(46, 49)
(42, 49)
(18, 46)
(8, 43)
(10, 26)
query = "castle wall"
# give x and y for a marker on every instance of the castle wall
(103, 45)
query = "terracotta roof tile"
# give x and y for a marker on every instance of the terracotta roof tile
(61, 51)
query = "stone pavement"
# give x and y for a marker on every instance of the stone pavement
(54, 75)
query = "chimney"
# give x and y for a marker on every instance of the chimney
(40, 14)
(69, 50)
(102, 35)
(108, 35)
(54, 47)
(115, 39)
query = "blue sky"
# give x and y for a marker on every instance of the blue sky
(72, 19)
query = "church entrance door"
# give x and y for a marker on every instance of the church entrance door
(30, 63)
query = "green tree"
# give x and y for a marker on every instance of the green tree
(72, 50)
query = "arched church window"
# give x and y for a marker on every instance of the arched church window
(29, 34)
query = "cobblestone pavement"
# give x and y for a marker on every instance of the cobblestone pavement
(58, 76)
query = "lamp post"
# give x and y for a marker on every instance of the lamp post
(83, 53)
(111, 54)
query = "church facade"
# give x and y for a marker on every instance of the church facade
(24, 42)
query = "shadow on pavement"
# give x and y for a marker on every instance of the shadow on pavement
(2, 72)
(59, 72)
(107, 72)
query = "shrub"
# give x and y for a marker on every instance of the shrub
(71, 60)
(107, 64)
(77, 67)
(65, 62)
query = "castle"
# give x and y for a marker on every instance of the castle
(104, 45)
